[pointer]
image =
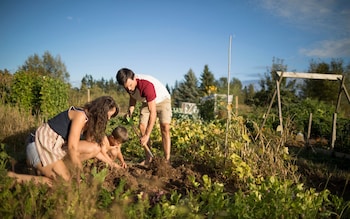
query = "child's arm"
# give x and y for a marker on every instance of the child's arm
(103, 155)
(120, 157)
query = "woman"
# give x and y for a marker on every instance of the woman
(61, 136)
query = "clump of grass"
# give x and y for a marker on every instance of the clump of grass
(14, 132)
(15, 121)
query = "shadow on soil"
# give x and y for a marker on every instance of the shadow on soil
(324, 169)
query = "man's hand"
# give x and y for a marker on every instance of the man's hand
(127, 117)
(144, 140)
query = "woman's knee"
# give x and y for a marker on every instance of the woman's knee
(60, 169)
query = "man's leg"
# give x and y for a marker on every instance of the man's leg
(166, 141)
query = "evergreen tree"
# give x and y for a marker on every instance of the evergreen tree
(187, 91)
(175, 95)
(236, 88)
(168, 88)
(207, 80)
(222, 85)
(87, 82)
(249, 93)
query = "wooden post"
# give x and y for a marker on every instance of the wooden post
(334, 130)
(88, 95)
(309, 130)
(236, 105)
(279, 105)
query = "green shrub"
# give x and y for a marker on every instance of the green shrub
(39, 94)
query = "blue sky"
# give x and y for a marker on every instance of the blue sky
(167, 38)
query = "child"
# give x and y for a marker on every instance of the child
(118, 136)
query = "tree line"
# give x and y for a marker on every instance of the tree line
(189, 89)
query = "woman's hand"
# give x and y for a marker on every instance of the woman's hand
(117, 166)
(124, 165)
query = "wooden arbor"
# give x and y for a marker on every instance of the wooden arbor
(302, 75)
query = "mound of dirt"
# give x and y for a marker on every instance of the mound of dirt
(158, 178)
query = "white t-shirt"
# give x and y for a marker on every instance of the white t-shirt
(149, 88)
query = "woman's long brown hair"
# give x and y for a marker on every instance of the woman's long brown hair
(97, 113)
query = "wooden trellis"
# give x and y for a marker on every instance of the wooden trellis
(302, 75)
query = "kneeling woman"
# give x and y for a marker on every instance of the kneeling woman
(60, 136)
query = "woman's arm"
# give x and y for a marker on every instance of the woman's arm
(78, 121)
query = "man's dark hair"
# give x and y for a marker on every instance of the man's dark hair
(123, 75)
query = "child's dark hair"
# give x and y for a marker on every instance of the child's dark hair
(120, 134)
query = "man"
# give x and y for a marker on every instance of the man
(156, 102)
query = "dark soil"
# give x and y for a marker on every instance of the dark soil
(158, 176)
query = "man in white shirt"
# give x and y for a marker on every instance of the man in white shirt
(156, 102)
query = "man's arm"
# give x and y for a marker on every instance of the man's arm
(132, 103)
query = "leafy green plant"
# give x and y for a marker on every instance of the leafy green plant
(53, 96)
(272, 198)
(39, 94)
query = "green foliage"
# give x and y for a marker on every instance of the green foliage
(39, 94)
(272, 198)
(207, 80)
(47, 65)
(214, 106)
(206, 110)
(343, 135)
(186, 91)
(323, 90)
(249, 93)
(4, 157)
(23, 90)
(53, 96)
(322, 115)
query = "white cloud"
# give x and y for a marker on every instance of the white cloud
(298, 9)
(320, 15)
(329, 49)
(69, 18)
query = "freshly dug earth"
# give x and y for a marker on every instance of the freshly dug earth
(158, 178)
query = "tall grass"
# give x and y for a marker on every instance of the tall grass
(14, 131)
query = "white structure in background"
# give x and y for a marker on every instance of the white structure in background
(220, 101)
(189, 108)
